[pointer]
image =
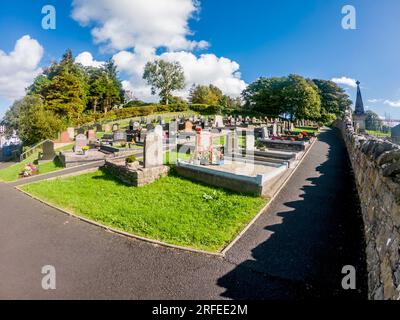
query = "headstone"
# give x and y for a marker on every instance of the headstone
(159, 131)
(231, 143)
(173, 134)
(64, 137)
(71, 133)
(264, 133)
(99, 127)
(250, 142)
(81, 131)
(120, 136)
(153, 150)
(142, 121)
(107, 128)
(148, 121)
(219, 122)
(80, 142)
(274, 129)
(131, 125)
(150, 127)
(115, 127)
(91, 135)
(188, 126)
(159, 120)
(48, 150)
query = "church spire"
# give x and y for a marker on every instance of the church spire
(359, 102)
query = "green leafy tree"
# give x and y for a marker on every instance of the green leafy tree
(300, 98)
(164, 77)
(334, 100)
(32, 121)
(373, 121)
(265, 96)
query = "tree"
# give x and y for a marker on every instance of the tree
(65, 91)
(164, 77)
(300, 98)
(373, 121)
(291, 96)
(265, 96)
(334, 100)
(32, 121)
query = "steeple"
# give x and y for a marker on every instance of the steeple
(359, 102)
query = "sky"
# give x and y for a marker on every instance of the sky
(228, 43)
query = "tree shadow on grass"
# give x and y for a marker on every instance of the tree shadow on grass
(319, 234)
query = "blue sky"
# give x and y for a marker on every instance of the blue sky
(265, 37)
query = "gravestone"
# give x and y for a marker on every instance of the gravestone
(115, 127)
(264, 133)
(91, 135)
(148, 121)
(64, 137)
(81, 131)
(131, 125)
(99, 127)
(120, 136)
(159, 131)
(231, 143)
(71, 133)
(80, 142)
(159, 120)
(173, 134)
(142, 121)
(107, 128)
(219, 122)
(188, 126)
(153, 150)
(150, 127)
(274, 129)
(48, 151)
(250, 142)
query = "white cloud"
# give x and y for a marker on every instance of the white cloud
(137, 28)
(127, 24)
(206, 69)
(393, 103)
(375, 100)
(19, 67)
(346, 81)
(86, 59)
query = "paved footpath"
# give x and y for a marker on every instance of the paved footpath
(295, 250)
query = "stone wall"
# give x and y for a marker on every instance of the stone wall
(376, 166)
(136, 177)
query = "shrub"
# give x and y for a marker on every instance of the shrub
(130, 159)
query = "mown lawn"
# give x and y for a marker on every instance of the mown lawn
(11, 173)
(172, 209)
(379, 133)
(305, 129)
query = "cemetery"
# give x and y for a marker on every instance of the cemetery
(189, 181)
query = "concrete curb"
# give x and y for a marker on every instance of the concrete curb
(220, 254)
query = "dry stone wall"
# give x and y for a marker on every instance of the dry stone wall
(376, 166)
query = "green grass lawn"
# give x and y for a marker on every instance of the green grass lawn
(172, 209)
(379, 134)
(11, 173)
(124, 123)
(308, 130)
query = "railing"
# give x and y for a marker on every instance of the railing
(32, 150)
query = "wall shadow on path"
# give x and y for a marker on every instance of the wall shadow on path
(319, 234)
